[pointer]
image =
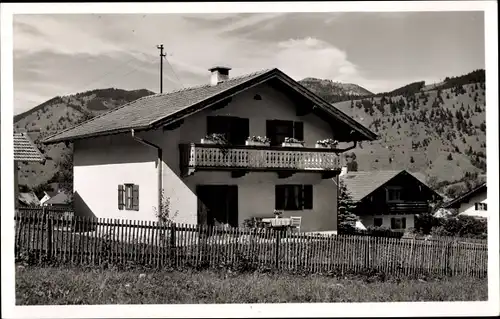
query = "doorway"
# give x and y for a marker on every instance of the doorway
(217, 204)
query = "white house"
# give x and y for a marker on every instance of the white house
(125, 158)
(49, 194)
(472, 203)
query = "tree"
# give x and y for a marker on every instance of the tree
(345, 216)
(64, 176)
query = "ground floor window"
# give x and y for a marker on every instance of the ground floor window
(293, 197)
(128, 197)
(480, 206)
(377, 221)
(398, 223)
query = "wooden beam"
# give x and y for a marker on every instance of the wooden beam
(238, 173)
(173, 126)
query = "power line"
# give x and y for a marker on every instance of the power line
(135, 70)
(173, 71)
(108, 73)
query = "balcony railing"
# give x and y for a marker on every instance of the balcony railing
(209, 156)
(416, 207)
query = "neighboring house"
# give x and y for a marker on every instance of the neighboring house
(61, 199)
(472, 203)
(49, 194)
(116, 154)
(28, 199)
(24, 151)
(389, 198)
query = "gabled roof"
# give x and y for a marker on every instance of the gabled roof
(29, 199)
(455, 203)
(25, 150)
(161, 109)
(59, 199)
(362, 183)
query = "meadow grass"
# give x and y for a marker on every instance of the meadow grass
(66, 286)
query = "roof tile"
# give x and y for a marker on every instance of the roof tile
(25, 149)
(362, 183)
(146, 110)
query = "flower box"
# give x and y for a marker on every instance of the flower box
(294, 144)
(322, 146)
(256, 143)
(207, 141)
(328, 143)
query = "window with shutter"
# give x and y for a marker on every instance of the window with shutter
(403, 223)
(277, 131)
(279, 197)
(135, 197)
(307, 196)
(293, 197)
(298, 131)
(121, 193)
(128, 196)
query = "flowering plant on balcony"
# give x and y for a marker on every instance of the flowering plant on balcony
(215, 138)
(328, 143)
(258, 140)
(277, 213)
(290, 141)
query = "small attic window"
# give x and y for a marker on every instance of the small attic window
(257, 97)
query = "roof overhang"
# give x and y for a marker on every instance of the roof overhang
(455, 203)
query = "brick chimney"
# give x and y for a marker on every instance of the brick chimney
(219, 74)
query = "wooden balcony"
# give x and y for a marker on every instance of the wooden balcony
(407, 207)
(241, 159)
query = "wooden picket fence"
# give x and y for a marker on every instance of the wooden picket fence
(72, 239)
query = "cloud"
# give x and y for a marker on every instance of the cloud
(73, 53)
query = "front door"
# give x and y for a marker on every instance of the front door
(217, 204)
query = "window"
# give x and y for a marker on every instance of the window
(293, 197)
(398, 223)
(128, 197)
(377, 222)
(235, 129)
(480, 206)
(277, 130)
(393, 194)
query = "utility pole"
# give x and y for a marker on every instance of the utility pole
(162, 55)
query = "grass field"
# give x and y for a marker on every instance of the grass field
(65, 286)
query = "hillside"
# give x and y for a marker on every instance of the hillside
(335, 91)
(58, 114)
(437, 129)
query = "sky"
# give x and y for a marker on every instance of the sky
(69, 53)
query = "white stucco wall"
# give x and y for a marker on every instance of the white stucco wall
(368, 221)
(103, 163)
(469, 208)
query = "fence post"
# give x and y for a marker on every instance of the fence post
(278, 239)
(448, 259)
(50, 228)
(172, 241)
(367, 251)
